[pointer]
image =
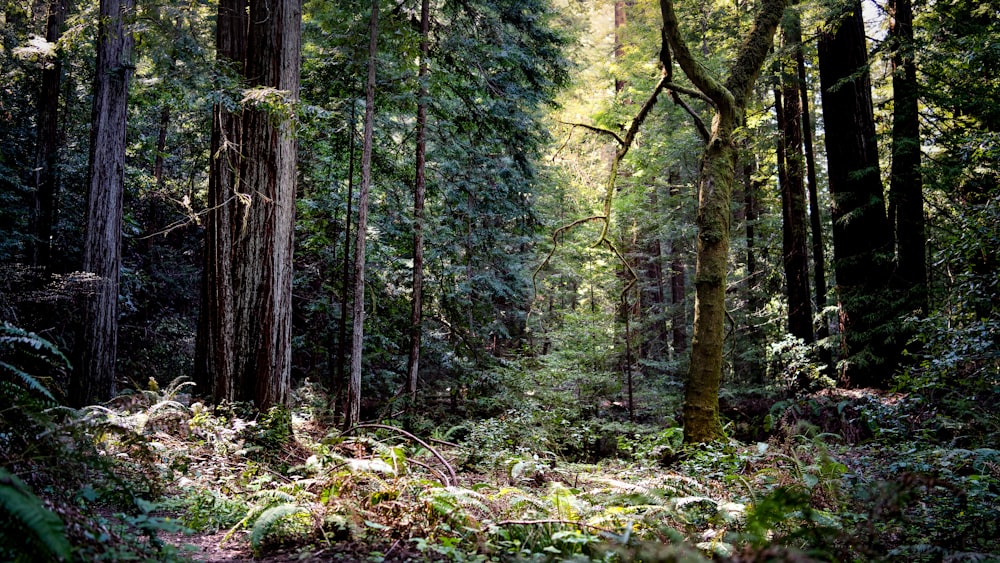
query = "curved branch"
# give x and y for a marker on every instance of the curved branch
(695, 70)
(555, 245)
(451, 471)
(595, 129)
(698, 123)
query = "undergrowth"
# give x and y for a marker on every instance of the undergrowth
(132, 479)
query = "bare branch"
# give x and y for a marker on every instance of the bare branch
(451, 471)
(702, 130)
(595, 129)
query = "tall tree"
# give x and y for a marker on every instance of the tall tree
(701, 397)
(793, 198)
(353, 414)
(264, 220)
(245, 345)
(47, 140)
(419, 191)
(862, 236)
(214, 360)
(906, 182)
(94, 377)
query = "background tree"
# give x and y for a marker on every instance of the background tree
(94, 377)
(862, 236)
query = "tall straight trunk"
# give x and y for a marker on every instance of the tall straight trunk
(416, 314)
(94, 377)
(678, 293)
(47, 142)
(793, 198)
(701, 396)
(755, 367)
(215, 362)
(861, 230)
(346, 278)
(815, 222)
(357, 337)
(906, 181)
(262, 252)
(161, 145)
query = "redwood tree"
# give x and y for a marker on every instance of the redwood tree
(862, 236)
(94, 377)
(245, 345)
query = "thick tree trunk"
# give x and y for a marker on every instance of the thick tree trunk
(701, 400)
(793, 198)
(357, 337)
(861, 231)
(262, 255)
(47, 142)
(416, 313)
(94, 377)
(214, 360)
(906, 184)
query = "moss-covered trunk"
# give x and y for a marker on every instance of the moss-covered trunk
(701, 397)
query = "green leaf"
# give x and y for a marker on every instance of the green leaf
(268, 519)
(46, 528)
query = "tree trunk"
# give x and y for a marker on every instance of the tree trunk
(47, 142)
(416, 314)
(861, 231)
(346, 278)
(214, 360)
(678, 291)
(94, 377)
(755, 367)
(262, 253)
(701, 400)
(906, 182)
(793, 199)
(815, 223)
(357, 337)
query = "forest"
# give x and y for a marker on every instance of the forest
(499, 280)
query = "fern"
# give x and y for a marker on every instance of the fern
(45, 527)
(15, 379)
(269, 519)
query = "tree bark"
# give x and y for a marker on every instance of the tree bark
(215, 362)
(262, 255)
(357, 337)
(47, 142)
(861, 230)
(416, 314)
(815, 223)
(94, 377)
(906, 182)
(793, 199)
(701, 400)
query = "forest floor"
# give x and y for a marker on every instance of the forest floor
(831, 476)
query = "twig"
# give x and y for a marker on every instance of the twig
(451, 471)
(553, 521)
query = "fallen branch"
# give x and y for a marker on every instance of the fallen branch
(451, 470)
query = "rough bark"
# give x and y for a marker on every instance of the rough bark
(861, 230)
(94, 377)
(793, 198)
(214, 360)
(701, 401)
(815, 222)
(416, 312)
(353, 414)
(262, 253)
(906, 182)
(47, 142)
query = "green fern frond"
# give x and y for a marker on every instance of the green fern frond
(268, 519)
(11, 335)
(46, 528)
(28, 381)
